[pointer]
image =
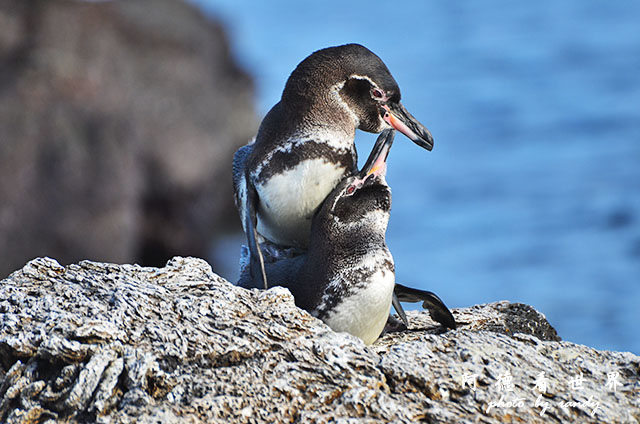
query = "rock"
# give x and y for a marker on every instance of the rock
(97, 342)
(118, 122)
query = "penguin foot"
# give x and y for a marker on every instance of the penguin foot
(394, 325)
(436, 307)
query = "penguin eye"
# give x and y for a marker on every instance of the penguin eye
(377, 93)
(351, 189)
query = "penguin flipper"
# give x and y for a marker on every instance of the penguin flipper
(430, 301)
(246, 198)
(256, 261)
(240, 158)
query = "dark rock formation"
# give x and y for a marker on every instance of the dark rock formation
(99, 342)
(118, 121)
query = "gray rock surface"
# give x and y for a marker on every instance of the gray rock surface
(97, 342)
(118, 122)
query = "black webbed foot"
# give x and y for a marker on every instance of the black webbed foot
(430, 301)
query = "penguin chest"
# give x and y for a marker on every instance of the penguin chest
(289, 199)
(364, 311)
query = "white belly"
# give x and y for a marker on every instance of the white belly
(365, 313)
(288, 200)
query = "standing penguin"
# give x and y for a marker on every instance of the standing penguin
(304, 146)
(347, 277)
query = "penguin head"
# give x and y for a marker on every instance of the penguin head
(362, 202)
(362, 199)
(350, 85)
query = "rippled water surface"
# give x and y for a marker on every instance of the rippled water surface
(532, 192)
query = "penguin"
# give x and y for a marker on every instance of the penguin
(347, 276)
(305, 144)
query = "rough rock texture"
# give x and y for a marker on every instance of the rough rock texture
(123, 344)
(118, 121)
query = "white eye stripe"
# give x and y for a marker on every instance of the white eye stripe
(365, 78)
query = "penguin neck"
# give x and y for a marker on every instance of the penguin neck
(324, 110)
(352, 241)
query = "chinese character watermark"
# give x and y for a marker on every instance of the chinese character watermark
(543, 390)
(469, 380)
(505, 382)
(612, 381)
(541, 383)
(505, 385)
(576, 382)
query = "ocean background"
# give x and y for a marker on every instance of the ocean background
(532, 192)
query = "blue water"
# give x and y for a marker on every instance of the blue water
(532, 192)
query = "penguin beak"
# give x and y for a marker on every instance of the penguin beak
(375, 165)
(400, 119)
(377, 161)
